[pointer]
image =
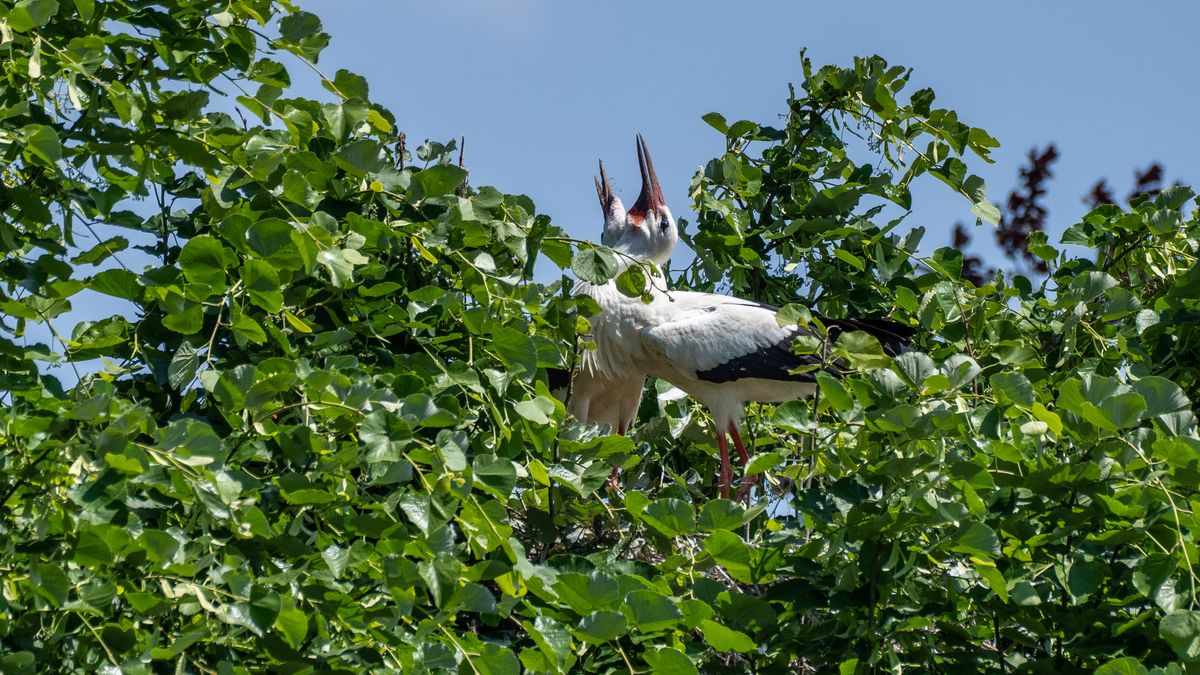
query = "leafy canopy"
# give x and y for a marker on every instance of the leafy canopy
(318, 434)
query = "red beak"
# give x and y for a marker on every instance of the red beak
(651, 196)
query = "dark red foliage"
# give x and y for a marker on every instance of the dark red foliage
(1148, 182)
(1100, 194)
(1025, 213)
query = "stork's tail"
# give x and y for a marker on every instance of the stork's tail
(896, 338)
(558, 379)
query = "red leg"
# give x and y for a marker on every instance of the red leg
(749, 482)
(737, 443)
(726, 476)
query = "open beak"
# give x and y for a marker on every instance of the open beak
(651, 196)
(605, 192)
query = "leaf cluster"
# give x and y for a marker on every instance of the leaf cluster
(317, 432)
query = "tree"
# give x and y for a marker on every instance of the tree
(321, 436)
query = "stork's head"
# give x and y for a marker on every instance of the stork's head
(614, 210)
(649, 229)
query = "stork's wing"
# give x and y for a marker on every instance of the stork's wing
(717, 338)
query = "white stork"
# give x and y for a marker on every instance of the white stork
(600, 394)
(724, 351)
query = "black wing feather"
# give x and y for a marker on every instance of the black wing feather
(777, 361)
(773, 362)
(558, 378)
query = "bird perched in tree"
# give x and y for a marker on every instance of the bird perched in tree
(724, 351)
(599, 393)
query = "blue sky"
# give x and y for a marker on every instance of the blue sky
(541, 89)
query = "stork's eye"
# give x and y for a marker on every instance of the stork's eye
(663, 222)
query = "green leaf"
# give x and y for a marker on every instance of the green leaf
(601, 626)
(515, 349)
(437, 180)
(725, 639)
(850, 259)
(52, 584)
(102, 251)
(183, 316)
(1116, 412)
(1052, 421)
(262, 285)
(833, 391)
(1091, 285)
(1025, 595)
(976, 539)
(861, 349)
(537, 410)
(293, 625)
(494, 659)
(960, 369)
(594, 265)
(362, 157)
(271, 238)
(92, 551)
(205, 260)
(720, 514)
(716, 121)
(18, 662)
(193, 443)
(247, 328)
(336, 558)
(29, 14)
(118, 283)
(495, 474)
(1181, 630)
(552, 638)
(986, 211)
(649, 612)
(41, 144)
(794, 415)
(306, 496)
(1125, 665)
(1161, 396)
(1013, 388)
(915, 367)
(672, 517)
(670, 661)
(474, 598)
(1086, 577)
(632, 282)
(730, 552)
(995, 580)
(762, 462)
(264, 609)
(348, 85)
(341, 270)
(183, 366)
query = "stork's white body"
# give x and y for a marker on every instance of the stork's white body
(597, 394)
(687, 339)
(722, 350)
